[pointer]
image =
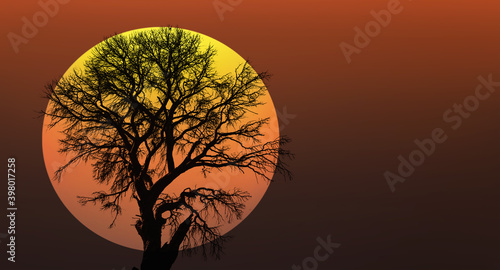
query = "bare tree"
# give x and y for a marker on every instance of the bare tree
(140, 101)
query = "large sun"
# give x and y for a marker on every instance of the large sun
(78, 179)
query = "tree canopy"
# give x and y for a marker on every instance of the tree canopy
(149, 106)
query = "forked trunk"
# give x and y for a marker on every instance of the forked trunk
(154, 257)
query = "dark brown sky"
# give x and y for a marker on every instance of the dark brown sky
(351, 123)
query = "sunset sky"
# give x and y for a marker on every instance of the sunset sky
(349, 123)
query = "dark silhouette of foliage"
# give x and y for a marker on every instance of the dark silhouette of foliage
(145, 98)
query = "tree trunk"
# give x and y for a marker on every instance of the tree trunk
(154, 257)
(158, 260)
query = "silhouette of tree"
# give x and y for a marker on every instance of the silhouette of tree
(142, 99)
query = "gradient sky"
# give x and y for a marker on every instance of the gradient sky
(350, 123)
